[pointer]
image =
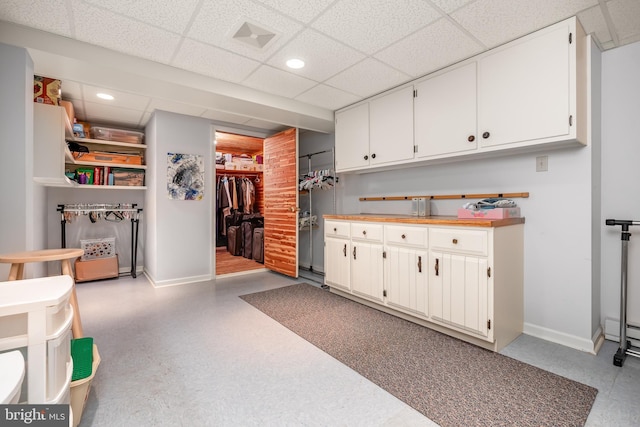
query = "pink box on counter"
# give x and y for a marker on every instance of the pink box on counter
(496, 213)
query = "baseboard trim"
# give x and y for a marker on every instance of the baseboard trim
(587, 345)
(177, 282)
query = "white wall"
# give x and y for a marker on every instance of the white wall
(21, 217)
(620, 175)
(179, 246)
(557, 230)
(322, 201)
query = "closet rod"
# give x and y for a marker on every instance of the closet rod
(448, 196)
(313, 154)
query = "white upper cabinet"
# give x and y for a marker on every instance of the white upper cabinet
(527, 91)
(352, 138)
(391, 127)
(377, 132)
(445, 113)
(528, 94)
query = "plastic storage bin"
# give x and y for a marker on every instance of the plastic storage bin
(117, 135)
(80, 389)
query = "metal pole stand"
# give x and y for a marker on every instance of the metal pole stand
(625, 345)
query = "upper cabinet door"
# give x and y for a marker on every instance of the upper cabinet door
(352, 138)
(391, 127)
(524, 90)
(445, 113)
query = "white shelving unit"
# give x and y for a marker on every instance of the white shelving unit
(35, 314)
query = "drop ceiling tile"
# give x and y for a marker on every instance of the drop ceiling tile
(168, 14)
(432, 48)
(175, 107)
(46, 15)
(302, 10)
(593, 22)
(323, 57)
(370, 26)
(367, 78)
(213, 61)
(495, 22)
(327, 97)
(121, 99)
(273, 80)
(217, 22)
(104, 28)
(145, 119)
(449, 6)
(625, 15)
(106, 114)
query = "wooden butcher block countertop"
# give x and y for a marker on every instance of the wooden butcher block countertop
(430, 220)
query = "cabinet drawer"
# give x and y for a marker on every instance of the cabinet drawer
(406, 236)
(468, 241)
(337, 229)
(366, 231)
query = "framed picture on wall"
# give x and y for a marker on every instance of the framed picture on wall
(185, 176)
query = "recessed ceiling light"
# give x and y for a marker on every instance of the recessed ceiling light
(295, 63)
(105, 96)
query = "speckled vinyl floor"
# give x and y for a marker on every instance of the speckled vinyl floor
(197, 355)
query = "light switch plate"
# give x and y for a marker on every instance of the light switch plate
(542, 163)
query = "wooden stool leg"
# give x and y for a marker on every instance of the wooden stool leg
(16, 272)
(76, 325)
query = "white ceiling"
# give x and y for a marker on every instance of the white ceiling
(179, 55)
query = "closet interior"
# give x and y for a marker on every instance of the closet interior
(239, 203)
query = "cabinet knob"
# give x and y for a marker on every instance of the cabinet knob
(335, 230)
(486, 135)
(373, 156)
(403, 236)
(455, 241)
(366, 157)
(364, 232)
(471, 138)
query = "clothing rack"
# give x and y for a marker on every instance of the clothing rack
(309, 169)
(120, 210)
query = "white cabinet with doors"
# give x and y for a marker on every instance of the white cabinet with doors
(337, 254)
(50, 130)
(529, 91)
(462, 278)
(526, 95)
(445, 113)
(377, 132)
(459, 279)
(366, 260)
(405, 265)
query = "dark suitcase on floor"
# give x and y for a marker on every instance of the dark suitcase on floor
(247, 239)
(234, 240)
(258, 244)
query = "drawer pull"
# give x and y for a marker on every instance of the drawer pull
(335, 230)
(455, 241)
(419, 264)
(437, 267)
(344, 251)
(403, 236)
(364, 232)
(354, 252)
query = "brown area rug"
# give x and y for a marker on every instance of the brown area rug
(451, 382)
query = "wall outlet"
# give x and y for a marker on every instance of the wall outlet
(542, 163)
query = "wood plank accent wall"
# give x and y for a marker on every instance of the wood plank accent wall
(280, 195)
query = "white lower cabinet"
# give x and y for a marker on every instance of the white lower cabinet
(366, 261)
(463, 281)
(458, 292)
